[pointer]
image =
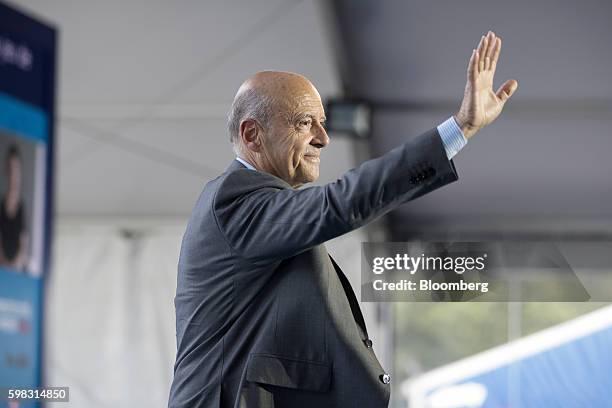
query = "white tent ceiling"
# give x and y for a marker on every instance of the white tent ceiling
(144, 87)
(546, 161)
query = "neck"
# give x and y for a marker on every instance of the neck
(261, 165)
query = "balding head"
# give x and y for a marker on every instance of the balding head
(265, 128)
(263, 94)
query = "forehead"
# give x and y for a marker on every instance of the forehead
(306, 102)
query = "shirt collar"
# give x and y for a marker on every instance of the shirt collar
(246, 163)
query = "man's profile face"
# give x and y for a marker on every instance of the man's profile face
(295, 137)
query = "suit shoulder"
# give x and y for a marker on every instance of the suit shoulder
(234, 184)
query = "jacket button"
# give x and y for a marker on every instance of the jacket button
(385, 378)
(368, 343)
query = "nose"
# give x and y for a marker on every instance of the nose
(320, 138)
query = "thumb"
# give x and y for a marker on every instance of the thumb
(507, 89)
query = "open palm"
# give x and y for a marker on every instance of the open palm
(481, 105)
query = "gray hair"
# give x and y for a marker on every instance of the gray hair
(250, 103)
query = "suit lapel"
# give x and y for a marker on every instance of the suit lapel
(353, 302)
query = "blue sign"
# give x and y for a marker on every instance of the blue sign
(27, 117)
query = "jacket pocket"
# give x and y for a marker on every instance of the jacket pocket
(288, 372)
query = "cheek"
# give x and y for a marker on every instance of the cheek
(302, 142)
(280, 148)
(296, 146)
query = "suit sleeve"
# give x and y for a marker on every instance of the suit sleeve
(264, 220)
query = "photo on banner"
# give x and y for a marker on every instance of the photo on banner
(27, 100)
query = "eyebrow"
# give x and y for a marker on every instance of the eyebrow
(311, 116)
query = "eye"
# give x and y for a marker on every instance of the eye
(305, 122)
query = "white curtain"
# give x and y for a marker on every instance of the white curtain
(109, 332)
(109, 324)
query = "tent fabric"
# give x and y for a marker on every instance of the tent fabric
(109, 325)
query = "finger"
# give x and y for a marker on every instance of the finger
(480, 43)
(483, 54)
(507, 90)
(489, 51)
(480, 52)
(482, 48)
(495, 58)
(491, 44)
(473, 66)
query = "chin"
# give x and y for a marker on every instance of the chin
(311, 176)
(308, 178)
(307, 173)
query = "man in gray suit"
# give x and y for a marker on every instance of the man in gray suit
(264, 316)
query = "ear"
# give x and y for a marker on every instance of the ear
(251, 134)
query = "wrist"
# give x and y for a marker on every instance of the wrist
(467, 129)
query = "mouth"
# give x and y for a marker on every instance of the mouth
(312, 157)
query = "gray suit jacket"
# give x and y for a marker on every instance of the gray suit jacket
(264, 316)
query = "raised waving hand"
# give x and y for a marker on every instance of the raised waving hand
(481, 105)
